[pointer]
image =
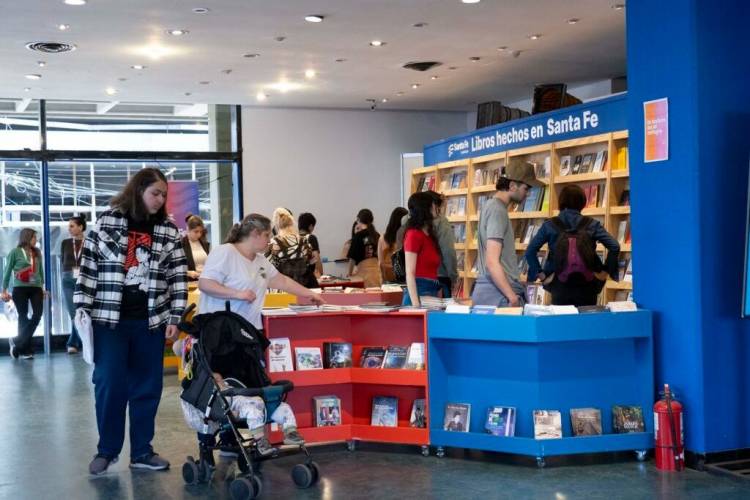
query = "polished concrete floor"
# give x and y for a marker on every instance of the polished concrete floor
(49, 435)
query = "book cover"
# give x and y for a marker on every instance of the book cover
(592, 196)
(461, 206)
(327, 410)
(586, 421)
(628, 278)
(622, 231)
(280, 355)
(565, 165)
(545, 201)
(622, 266)
(600, 164)
(501, 421)
(418, 418)
(546, 168)
(547, 424)
(384, 411)
(444, 185)
(415, 357)
(479, 177)
(577, 164)
(626, 419)
(457, 417)
(431, 184)
(624, 200)
(622, 158)
(308, 358)
(372, 357)
(337, 354)
(586, 163)
(533, 199)
(395, 357)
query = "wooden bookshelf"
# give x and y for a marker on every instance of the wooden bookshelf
(612, 180)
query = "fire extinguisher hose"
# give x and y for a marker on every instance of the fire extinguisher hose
(677, 460)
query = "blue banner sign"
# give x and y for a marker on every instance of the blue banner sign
(597, 117)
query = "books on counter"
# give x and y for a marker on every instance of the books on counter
(384, 411)
(586, 421)
(501, 421)
(327, 411)
(627, 419)
(280, 355)
(547, 424)
(308, 358)
(337, 354)
(418, 418)
(457, 417)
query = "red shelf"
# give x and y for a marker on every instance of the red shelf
(403, 435)
(389, 377)
(310, 378)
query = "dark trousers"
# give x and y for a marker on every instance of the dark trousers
(128, 373)
(69, 287)
(22, 297)
(575, 292)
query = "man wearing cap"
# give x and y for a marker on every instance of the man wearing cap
(498, 281)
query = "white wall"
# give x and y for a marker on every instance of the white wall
(333, 162)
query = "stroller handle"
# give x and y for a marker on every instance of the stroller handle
(286, 386)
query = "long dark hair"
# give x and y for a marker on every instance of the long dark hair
(250, 224)
(130, 200)
(394, 224)
(365, 216)
(24, 240)
(420, 214)
(80, 220)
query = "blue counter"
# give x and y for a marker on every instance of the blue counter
(540, 363)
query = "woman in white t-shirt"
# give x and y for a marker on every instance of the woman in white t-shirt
(196, 246)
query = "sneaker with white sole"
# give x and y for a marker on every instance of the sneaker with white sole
(13, 350)
(263, 445)
(293, 437)
(27, 356)
(152, 461)
(72, 350)
(100, 464)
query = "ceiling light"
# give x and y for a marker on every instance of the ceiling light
(434, 77)
(41, 64)
(340, 60)
(27, 89)
(226, 71)
(535, 36)
(470, 1)
(138, 66)
(63, 27)
(155, 51)
(399, 93)
(573, 20)
(310, 73)
(384, 100)
(415, 85)
(110, 91)
(618, 6)
(452, 68)
(377, 43)
(204, 82)
(33, 76)
(314, 18)
(280, 38)
(75, 2)
(178, 32)
(188, 94)
(475, 59)
(420, 25)
(285, 86)
(260, 96)
(201, 10)
(502, 48)
(122, 79)
(251, 56)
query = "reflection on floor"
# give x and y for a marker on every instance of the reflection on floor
(49, 436)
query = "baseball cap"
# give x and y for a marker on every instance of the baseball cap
(521, 171)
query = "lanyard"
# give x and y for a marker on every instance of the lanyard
(77, 255)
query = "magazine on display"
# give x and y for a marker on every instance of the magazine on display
(280, 355)
(501, 421)
(372, 357)
(308, 358)
(547, 424)
(327, 411)
(457, 417)
(586, 421)
(565, 165)
(415, 357)
(627, 419)
(418, 418)
(384, 411)
(337, 354)
(395, 356)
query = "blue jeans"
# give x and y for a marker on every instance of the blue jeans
(69, 287)
(425, 287)
(128, 375)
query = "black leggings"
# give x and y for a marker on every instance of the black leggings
(22, 296)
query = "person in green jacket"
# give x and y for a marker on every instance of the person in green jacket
(24, 265)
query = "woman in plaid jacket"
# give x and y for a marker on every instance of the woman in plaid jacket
(133, 284)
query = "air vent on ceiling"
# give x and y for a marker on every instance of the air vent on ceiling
(422, 65)
(51, 47)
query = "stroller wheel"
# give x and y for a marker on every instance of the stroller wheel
(316, 472)
(245, 488)
(303, 476)
(191, 473)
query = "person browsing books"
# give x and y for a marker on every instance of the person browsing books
(289, 251)
(306, 224)
(498, 282)
(387, 244)
(196, 246)
(363, 252)
(421, 253)
(573, 276)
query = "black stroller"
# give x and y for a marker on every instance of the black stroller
(231, 341)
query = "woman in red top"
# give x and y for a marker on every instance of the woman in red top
(421, 251)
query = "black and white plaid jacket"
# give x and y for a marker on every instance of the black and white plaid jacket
(99, 286)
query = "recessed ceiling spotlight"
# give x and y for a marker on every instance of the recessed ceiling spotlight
(201, 10)
(573, 20)
(280, 38)
(75, 2)
(110, 91)
(122, 79)
(453, 68)
(41, 64)
(420, 25)
(285, 86)
(310, 73)
(27, 89)
(377, 43)
(251, 56)
(33, 76)
(535, 36)
(63, 27)
(314, 18)
(415, 85)
(138, 66)
(260, 96)
(618, 6)
(399, 93)
(502, 48)
(470, 1)
(434, 77)
(475, 59)
(177, 32)
(340, 60)
(204, 82)
(226, 71)
(384, 100)
(188, 94)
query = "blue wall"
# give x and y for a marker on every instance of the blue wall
(689, 212)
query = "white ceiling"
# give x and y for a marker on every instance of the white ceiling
(112, 35)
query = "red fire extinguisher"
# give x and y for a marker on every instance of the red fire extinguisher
(670, 453)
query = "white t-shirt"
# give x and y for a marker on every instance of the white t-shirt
(199, 255)
(229, 267)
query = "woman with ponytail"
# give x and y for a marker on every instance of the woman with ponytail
(363, 252)
(290, 252)
(421, 250)
(195, 245)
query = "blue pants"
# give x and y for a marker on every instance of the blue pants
(425, 288)
(128, 373)
(69, 286)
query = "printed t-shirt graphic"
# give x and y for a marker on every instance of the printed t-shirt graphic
(137, 260)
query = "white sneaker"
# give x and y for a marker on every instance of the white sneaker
(72, 350)
(27, 356)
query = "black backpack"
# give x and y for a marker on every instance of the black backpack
(574, 251)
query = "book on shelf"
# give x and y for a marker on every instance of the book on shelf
(418, 418)
(420, 184)
(337, 354)
(459, 232)
(577, 164)
(546, 167)
(444, 185)
(586, 421)
(622, 158)
(622, 267)
(628, 278)
(494, 176)
(372, 357)
(622, 231)
(461, 206)
(415, 356)
(457, 417)
(627, 419)
(327, 411)
(586, 163)
(395, 356)
(501, 421)
(308, 358)
(460, 260)
(534, 199)
(600, 163)
(280, 355)
(458, 180)
(624, 200)
(384, 411)
(547, 424)
(431, 183)
(479, 177)
(592, 195)
(545, 201)
(565, 165)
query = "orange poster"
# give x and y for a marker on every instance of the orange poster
(656, 129)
